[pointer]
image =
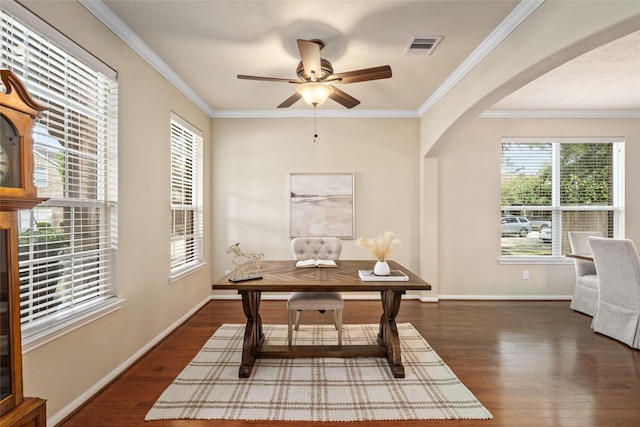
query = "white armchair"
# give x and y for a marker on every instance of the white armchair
(618, 312)
(585, 293)
(315, 248)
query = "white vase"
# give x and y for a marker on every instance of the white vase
(381, 268)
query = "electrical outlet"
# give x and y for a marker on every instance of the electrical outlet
(525, 274)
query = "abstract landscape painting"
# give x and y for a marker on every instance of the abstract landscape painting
(322, 205)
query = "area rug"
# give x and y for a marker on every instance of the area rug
(316, 389)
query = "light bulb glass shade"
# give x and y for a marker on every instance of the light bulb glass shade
(315, 93)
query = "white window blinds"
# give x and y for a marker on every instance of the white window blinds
(67, 245)
(186, 197)
(571, 184)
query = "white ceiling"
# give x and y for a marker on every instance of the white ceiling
(607, 78)
(207, 43)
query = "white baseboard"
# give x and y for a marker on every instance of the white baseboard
(87, 395)
(507, 297)
(372, 297)
(423, 299)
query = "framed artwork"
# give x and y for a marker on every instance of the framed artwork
(322, 204)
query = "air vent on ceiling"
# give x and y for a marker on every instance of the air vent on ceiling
(422, 45)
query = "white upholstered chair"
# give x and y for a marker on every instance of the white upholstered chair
(618, 312)
(315, 248)
(585, 293)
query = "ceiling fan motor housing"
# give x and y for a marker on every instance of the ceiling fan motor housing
(325, 67)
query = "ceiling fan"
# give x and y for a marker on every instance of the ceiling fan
(316, 78)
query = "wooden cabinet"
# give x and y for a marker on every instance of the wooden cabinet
(17, 192)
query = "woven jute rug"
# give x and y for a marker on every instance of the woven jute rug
(316, 389)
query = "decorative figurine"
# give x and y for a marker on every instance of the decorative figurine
(246, 265)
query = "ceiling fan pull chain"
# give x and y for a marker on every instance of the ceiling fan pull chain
(315, 124)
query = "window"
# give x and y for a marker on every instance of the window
(186, 197)
(40, 176)
(557, 186)
(67, 245)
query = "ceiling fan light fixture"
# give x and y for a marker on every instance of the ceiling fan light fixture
(315, 93)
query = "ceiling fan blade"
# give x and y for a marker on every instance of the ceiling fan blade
(310, 55)
(375, 73)
(267, 79)
(290, 100)
(343, 98)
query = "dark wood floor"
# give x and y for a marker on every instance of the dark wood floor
(530, 363)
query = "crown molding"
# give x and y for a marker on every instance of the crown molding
(281, 114)
(560, 114)
(120, 29)
(510, 23)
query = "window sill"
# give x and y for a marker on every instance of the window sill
(40, 338)
(549, 260)
(186, 270)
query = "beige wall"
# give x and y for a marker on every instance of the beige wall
(251, 162)
(524, 55)
(469, 207)
(66, 369)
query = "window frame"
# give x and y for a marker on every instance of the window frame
(102, 187)
(556, 208)
(186, 142)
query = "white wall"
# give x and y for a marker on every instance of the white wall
(469, 207)
(68, 368)
(251, 162)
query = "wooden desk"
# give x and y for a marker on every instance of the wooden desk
(584, 257)
(283, 276)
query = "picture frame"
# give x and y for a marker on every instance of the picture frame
(322, 204)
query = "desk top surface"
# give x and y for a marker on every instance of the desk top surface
(283, 276)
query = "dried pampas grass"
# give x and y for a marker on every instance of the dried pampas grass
(381, 246)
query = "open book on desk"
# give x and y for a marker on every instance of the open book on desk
(316, 263)
(393, 276)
